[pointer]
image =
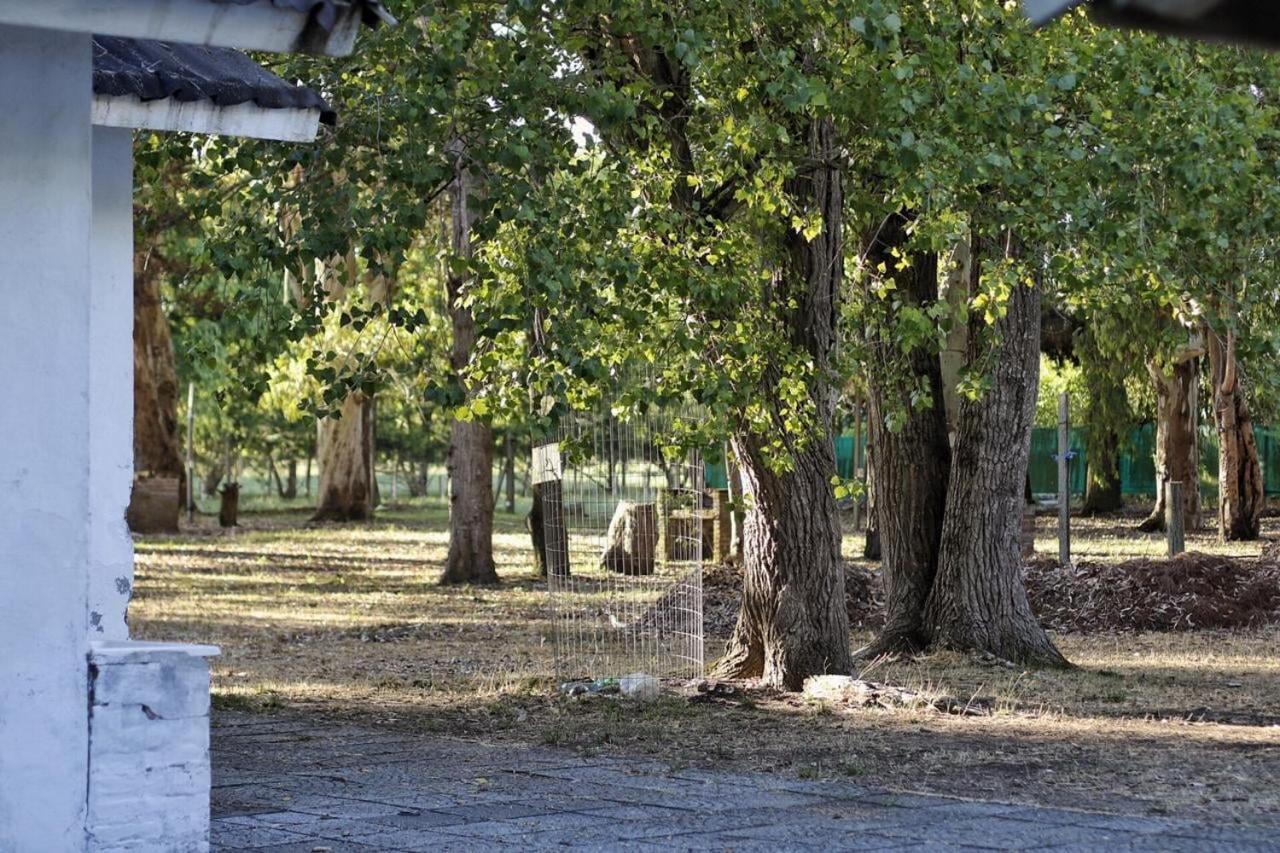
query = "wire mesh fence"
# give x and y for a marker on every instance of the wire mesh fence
(624, 521)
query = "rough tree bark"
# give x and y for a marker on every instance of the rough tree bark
(156, 449)
(1241, 496)
(471, 452)
(979, 600)
(1102, 475)
(1177, 445)
(793, 622)
(345, 447)
(913, 460)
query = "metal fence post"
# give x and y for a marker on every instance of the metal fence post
(1064, 483)
(1173, 518)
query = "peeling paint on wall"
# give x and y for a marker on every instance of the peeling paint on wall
(148, 749)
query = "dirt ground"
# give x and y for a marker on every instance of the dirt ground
(347, 621)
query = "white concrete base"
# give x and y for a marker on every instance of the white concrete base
(149, 771)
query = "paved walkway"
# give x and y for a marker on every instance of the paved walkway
(285, 784)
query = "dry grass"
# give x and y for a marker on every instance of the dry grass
(348, 621)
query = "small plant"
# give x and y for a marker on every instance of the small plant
(852, 768)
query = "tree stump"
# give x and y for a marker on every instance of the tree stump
(229, 508)
(154, 505)
(632, 539)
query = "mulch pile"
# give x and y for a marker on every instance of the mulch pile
(1190, 592)
(722, 595)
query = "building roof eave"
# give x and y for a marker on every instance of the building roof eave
(324, 27)
(154, 85)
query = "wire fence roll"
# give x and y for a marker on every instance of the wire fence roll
(625, 517)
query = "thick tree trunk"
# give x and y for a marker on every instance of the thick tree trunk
(1107, 406)
(471, 453)
(470, 505)
(912, 459)
(979, 601)
(344, 446)
(1102, 476)
(1241, 496)
(156, 449)
(1177, 444)
(793, 622)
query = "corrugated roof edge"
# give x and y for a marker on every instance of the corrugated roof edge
(153, 70)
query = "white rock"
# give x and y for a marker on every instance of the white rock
(639, 685)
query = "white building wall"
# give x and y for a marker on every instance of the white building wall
(44, 437)
(111, 384)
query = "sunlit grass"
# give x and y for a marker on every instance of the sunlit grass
(349, 620)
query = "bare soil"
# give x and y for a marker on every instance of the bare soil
(347, 621)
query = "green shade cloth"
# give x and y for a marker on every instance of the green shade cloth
(1137, 461)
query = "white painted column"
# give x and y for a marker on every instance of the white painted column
(111, 384)
(45, 206)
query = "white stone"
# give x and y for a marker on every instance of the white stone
(149, 770)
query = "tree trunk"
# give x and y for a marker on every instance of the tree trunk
(212, 479)
(912, 459)
(535, 521)
(471, 453)
(1241, 496)
(793, 622)
(1177, 445)
(156, 448)
(979, 600)
(1102, 476)
(273, 476)
(343, 446)
(291, 481)
(510, 469)
(1106, 409)
(871, 549)
(417, 479)
(470, 505)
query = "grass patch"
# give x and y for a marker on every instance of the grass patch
(348, 621)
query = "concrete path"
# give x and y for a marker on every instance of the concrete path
(283, 783)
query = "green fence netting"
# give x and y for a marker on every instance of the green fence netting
(717, 479)
(1137, 461)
